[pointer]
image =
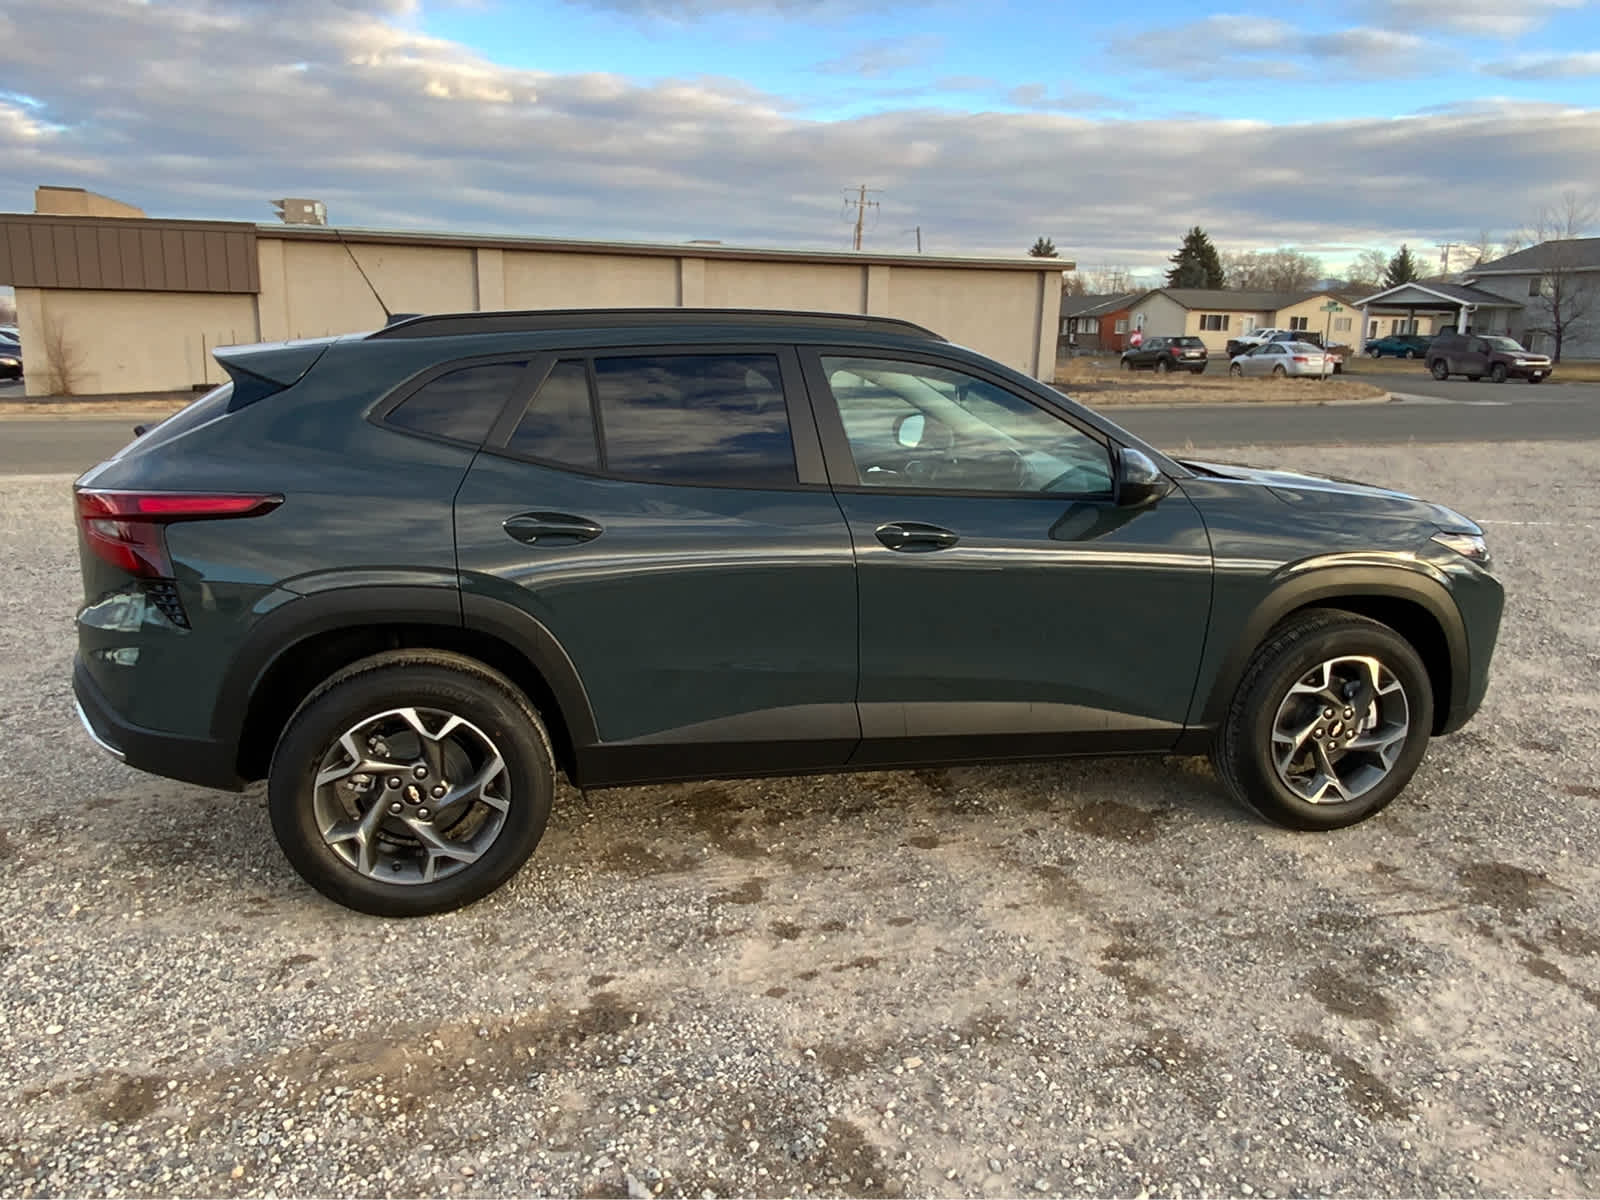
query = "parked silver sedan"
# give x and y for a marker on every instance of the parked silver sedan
(1281, 359)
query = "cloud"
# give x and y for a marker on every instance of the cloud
(1041, 98)
(885, 56)
(1266, 46)
(1585, 64)
(351, 104)
(1481, 18)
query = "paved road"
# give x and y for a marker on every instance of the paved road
(1455, 412)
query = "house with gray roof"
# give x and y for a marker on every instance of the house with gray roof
(1556, 285)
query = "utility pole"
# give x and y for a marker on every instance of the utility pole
(862, 204)
(918, 232)
(1444, 257)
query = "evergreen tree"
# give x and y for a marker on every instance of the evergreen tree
(1197, 263)
(1402, 268)
(1043, 248)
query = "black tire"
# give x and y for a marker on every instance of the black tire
(1279, 372)
(1162, 366)
(433, 679)
(1127, 365)
(1440, 369)
(1236, 370)
(1498, 372)
(1374, 352)
(1241, 750)
(1411, 353)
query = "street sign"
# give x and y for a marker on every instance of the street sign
(1332, 306)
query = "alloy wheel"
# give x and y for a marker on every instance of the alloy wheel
(1340, 729)
(411, 795)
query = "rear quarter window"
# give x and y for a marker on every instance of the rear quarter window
(460, 405)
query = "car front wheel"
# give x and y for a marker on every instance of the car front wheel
(1440, 370)
(1498, 372)
(411, 782)
(1329, 723)
(1236, 371)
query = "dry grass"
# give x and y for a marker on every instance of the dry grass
(1566, 371)
(90, 410)
(1100, 383)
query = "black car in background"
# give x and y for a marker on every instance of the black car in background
(1163, 354)
(10, 357)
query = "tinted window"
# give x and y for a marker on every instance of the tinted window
(459, 404)
(920, 426)
(559, 423)
(696, 418)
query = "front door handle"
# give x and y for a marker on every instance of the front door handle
(549, 528)
(913, 537)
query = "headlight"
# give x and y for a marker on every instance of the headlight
(9, 362)
(1468, 545)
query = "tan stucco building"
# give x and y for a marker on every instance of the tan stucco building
(1217, 315)
(137, 305)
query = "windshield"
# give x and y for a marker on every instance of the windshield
(1505, 343)
(1190, 342)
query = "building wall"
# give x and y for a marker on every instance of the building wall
(129, 342)
(1159, 316)
(138, 341)
(546, 280)
(1580, 341)
(1318, 322)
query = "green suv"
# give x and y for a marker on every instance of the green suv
(407, 577)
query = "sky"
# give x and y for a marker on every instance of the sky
(1110, 130)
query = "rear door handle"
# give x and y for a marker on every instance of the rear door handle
(549, 528)
(912, 537)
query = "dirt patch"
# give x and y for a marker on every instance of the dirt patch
(751, 891)
(1543, 968)
(1362, 1089)
(786, 931)
(1349, 997)
(1510, 889)
(924, 841)
(1119, 822)
(638, 861)
(1059, 886)
(7, 850)
(1104, 385)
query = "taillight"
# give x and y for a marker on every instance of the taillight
(124, 528)
(1301, 358)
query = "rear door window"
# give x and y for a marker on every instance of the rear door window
(717, 419)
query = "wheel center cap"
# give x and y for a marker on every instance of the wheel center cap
(413, 794)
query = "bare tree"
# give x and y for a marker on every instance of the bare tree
(1106, 281)
(1074, 284)
(1569, 294)
(1367, 269)
(63, 361)
(1285, 270)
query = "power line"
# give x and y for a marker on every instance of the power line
(862, 204)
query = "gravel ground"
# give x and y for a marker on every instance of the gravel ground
(1073, 978)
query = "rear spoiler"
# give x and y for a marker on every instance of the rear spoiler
(260, 370)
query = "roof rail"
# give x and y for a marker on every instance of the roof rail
(538, 320)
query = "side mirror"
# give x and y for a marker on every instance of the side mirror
(908, 430)
(1139, 480)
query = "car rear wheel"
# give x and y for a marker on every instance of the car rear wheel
(1279, 371)
(411, 782)
(1374, 352)
(1440, 370)
(1498, 372)
(1411, 353)
(1162, 366)
(1329, 723)
(1126, 365)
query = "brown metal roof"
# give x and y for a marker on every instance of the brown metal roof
(127, 254)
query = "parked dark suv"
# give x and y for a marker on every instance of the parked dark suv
(407, 577)
(1476, 355)
(1162, 354)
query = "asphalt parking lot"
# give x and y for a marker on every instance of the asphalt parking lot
(1080, 978)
